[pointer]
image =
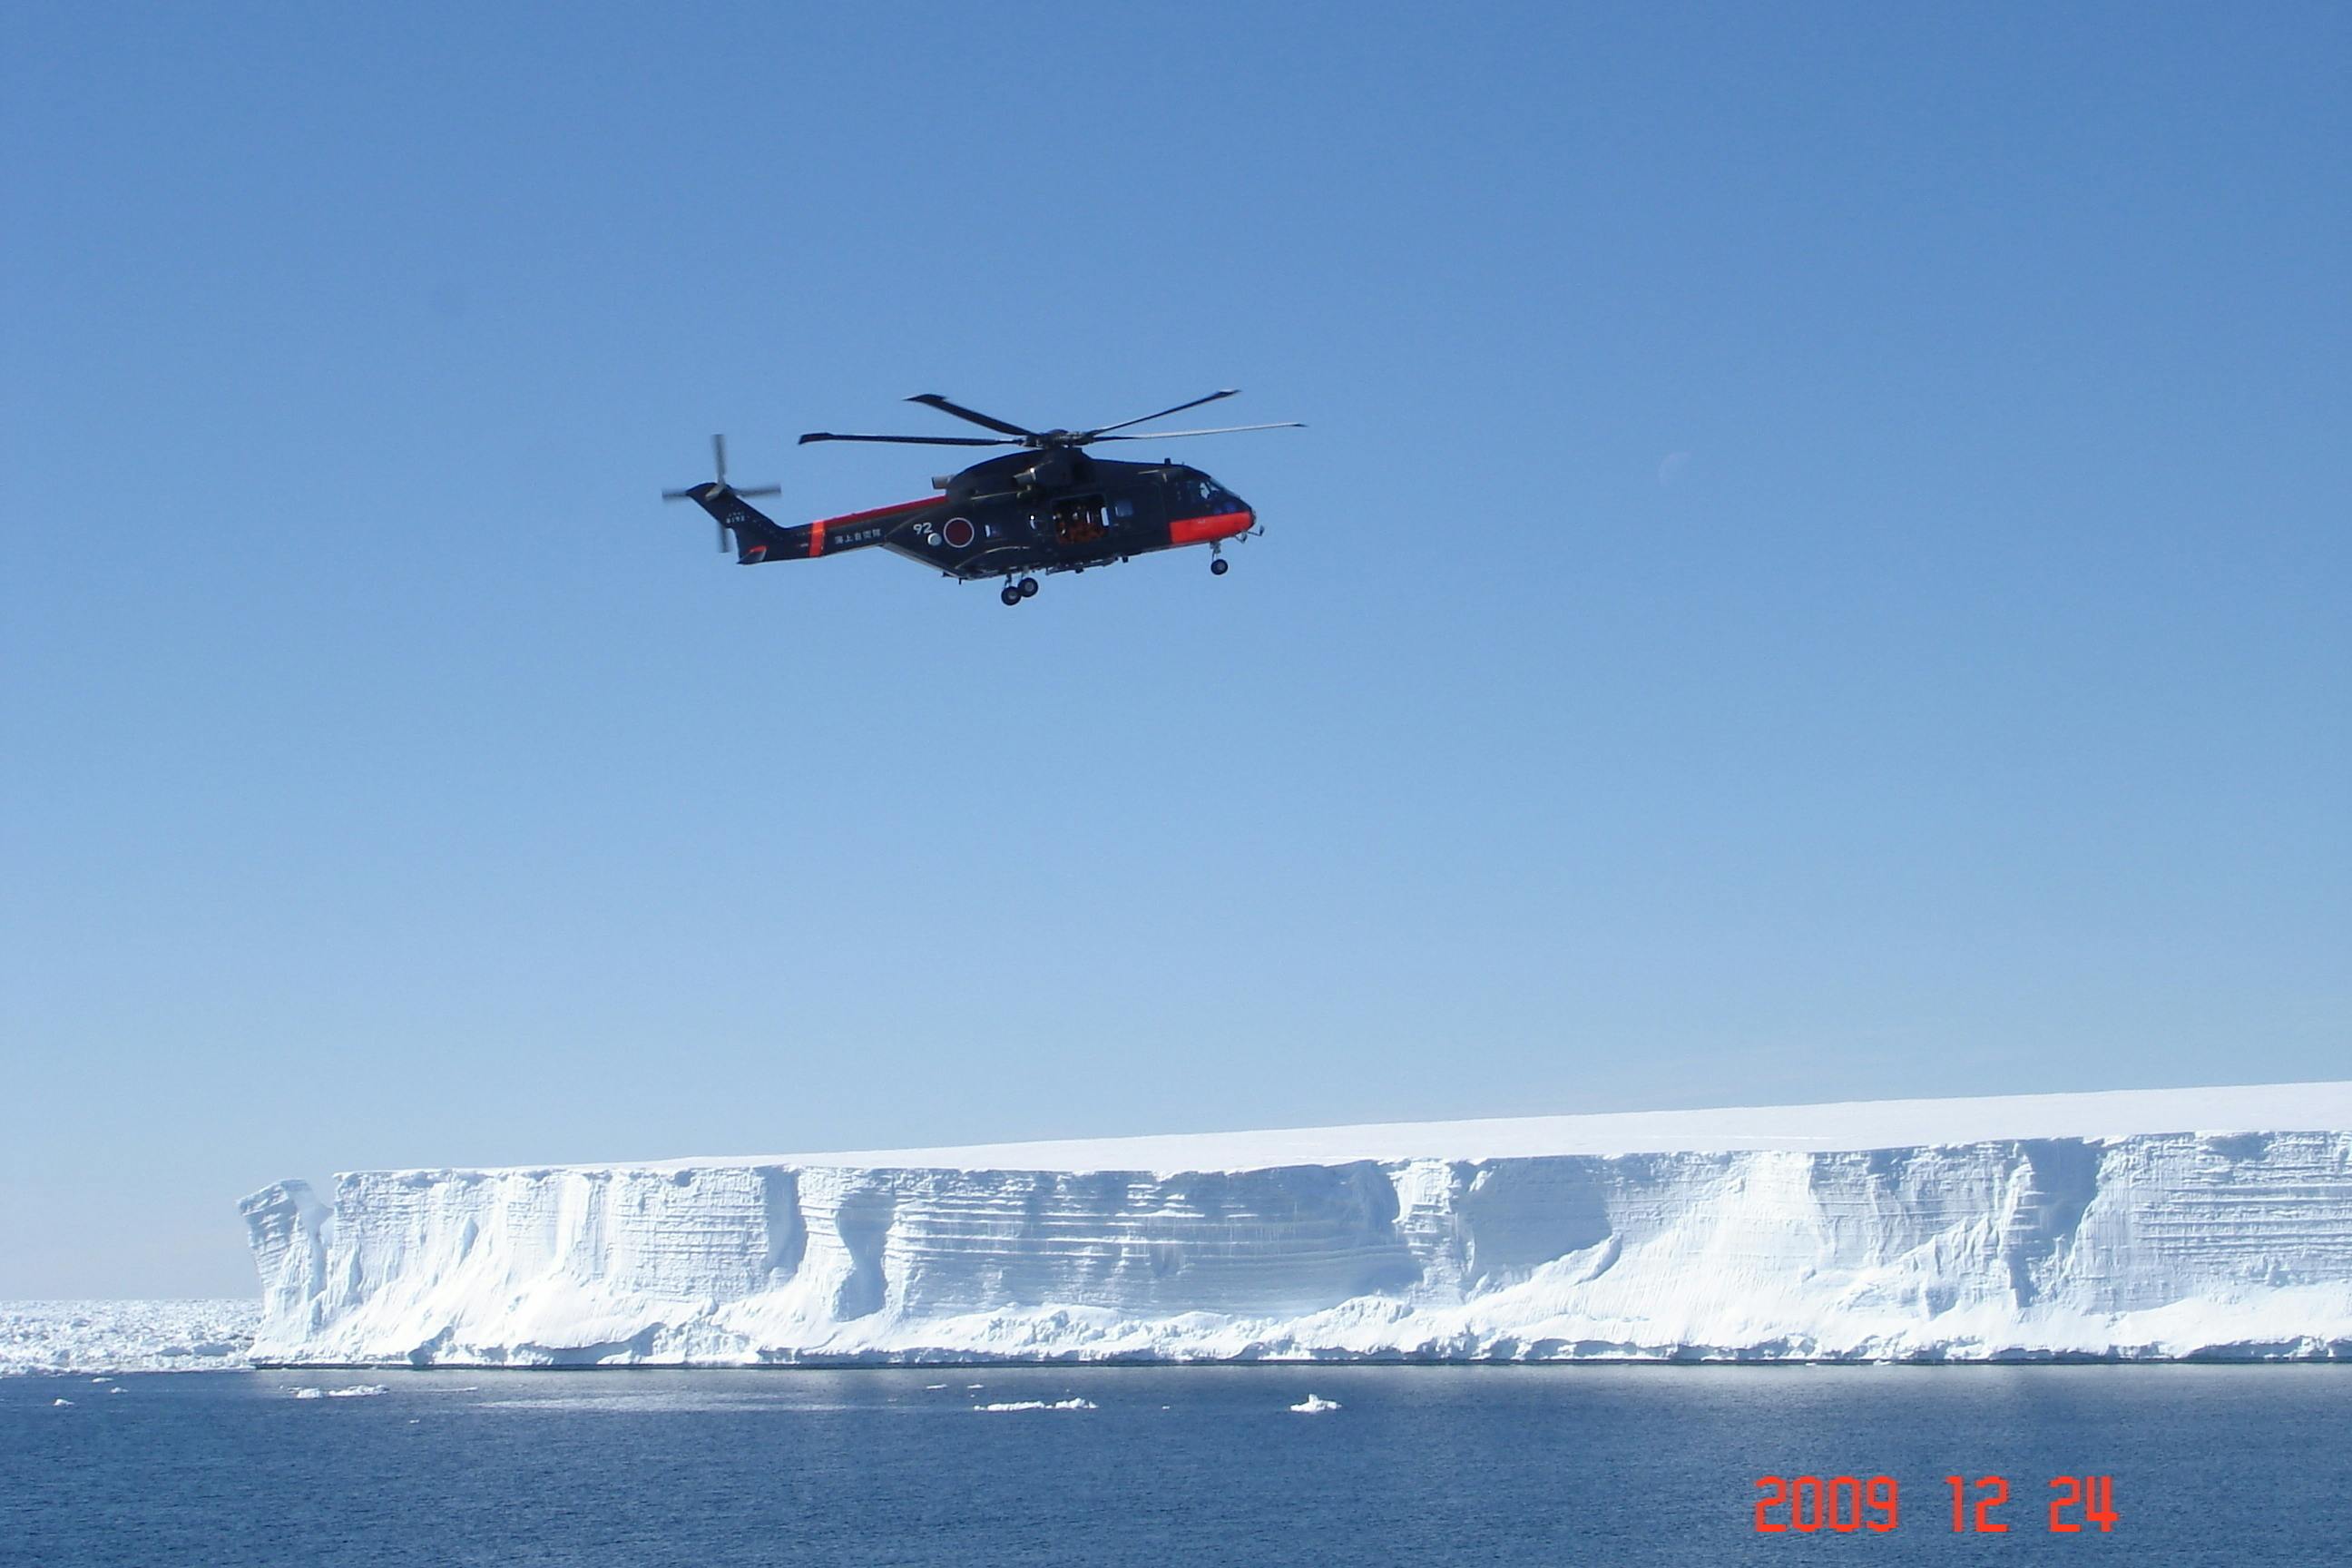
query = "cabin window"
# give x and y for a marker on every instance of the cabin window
(1078, 519)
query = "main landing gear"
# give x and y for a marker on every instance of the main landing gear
(1218, 564)
(1015, 591)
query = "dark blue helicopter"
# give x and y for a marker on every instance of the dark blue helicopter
(1050, 506)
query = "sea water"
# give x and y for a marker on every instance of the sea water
(1196, 1465)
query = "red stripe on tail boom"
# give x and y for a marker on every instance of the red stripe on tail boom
(904, 506)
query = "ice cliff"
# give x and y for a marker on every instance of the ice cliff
(2161, 1223)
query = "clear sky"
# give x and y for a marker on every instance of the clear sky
(1818, 570)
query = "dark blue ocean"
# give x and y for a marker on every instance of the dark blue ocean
(1472, 1466)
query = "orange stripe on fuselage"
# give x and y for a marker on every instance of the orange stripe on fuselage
(1201, 530)
(817, 529)
(878, 512)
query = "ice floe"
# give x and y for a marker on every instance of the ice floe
(1036, 1405)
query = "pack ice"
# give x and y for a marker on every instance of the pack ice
(2176, 1223)
(124, 1336)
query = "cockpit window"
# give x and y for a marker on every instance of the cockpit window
(1199, 495)
(1214, 497)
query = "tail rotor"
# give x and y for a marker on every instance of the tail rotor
(718, 486)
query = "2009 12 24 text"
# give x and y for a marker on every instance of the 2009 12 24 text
(1845, 1504)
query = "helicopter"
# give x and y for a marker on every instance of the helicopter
(1050, 506)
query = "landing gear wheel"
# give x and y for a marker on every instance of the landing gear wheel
(1028, 586)
(1219, 565)
(1012, 594)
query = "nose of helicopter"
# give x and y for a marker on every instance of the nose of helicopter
(1232, 517)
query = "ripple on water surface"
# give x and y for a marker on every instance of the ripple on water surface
(1201, 1465)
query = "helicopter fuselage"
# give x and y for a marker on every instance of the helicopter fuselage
(1050, 506)
(1022, 515)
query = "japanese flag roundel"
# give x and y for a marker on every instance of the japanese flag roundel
(958, 532)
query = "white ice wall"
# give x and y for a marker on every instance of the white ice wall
(2161, 1242)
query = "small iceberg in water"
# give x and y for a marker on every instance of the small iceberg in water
(1037, 1404)
(1315, 1404)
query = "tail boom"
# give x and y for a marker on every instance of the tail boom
(759, 539)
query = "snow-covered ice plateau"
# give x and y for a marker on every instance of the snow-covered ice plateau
(2164, 1223)
(125, 1336)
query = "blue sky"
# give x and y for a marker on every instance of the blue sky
(1816, 572)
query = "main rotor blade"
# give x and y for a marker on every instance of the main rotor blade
(1221, 430)
(1164, 413)
(908, 440)
(934, 400)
